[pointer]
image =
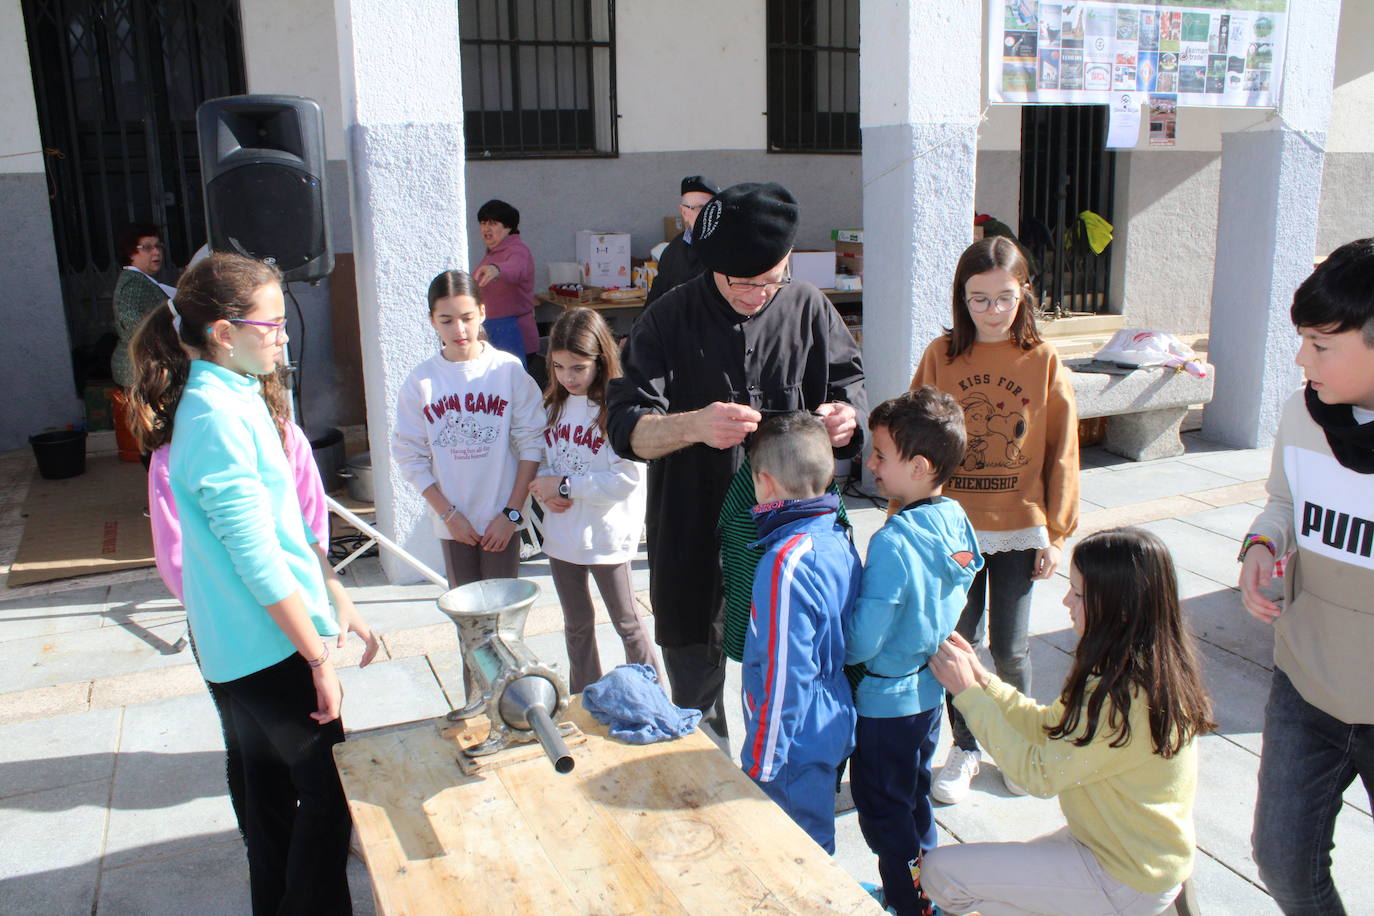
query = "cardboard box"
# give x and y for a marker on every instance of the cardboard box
(847, 235)
(815, 267)
(849, 259)
(672, 225)
(604, 257)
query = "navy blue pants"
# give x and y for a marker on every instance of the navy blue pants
(889, 775)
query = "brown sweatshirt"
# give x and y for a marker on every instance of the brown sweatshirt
(1021, 468)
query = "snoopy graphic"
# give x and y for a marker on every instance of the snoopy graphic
(993, 435)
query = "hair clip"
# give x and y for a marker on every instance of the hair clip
(176, 316)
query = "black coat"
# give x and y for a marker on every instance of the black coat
(686, 351)
(678, 264)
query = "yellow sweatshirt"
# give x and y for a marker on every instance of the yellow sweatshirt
(1021, 468)
(1130, 806)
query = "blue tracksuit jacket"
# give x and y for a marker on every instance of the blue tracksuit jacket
(915, 584)
(798, 709)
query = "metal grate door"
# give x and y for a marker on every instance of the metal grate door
(1066, 169)
(117, 85)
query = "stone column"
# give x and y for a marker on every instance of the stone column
(919, 113)
(403, 120)
(1271, 181)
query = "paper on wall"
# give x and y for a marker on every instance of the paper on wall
(1123, 124)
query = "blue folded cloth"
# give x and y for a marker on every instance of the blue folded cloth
(629, 700)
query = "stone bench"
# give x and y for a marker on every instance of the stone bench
(1145, 407)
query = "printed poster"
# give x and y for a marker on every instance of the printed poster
(1205, 53)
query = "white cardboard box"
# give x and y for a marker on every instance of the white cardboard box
(815, 267)
(604, 257)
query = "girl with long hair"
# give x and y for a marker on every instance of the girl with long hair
(253, 587)
(595, 500)
(1018, 481)
(1118, 748)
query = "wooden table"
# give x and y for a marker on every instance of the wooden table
(673, 827)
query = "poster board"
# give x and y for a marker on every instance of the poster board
(1205, 53)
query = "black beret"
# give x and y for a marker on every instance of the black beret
(746, 229)
(699, 183)
(498, 211)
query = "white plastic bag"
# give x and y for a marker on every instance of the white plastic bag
(1136, 347)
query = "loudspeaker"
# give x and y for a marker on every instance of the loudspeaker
(262, 163)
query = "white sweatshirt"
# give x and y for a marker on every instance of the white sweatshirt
(466, 426)
(608, 492)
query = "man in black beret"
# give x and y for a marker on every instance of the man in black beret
(703, 366)
(679, 262)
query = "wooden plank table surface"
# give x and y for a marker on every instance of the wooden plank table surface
(673, 827)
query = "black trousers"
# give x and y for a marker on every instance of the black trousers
(294, 815)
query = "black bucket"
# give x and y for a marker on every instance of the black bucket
(60, 454)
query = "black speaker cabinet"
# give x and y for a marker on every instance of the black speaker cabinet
(262, 161)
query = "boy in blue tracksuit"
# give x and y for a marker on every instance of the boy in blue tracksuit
(798, 709)
(919, 568)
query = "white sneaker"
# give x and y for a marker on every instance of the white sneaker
(951, 786)
(1013, 788)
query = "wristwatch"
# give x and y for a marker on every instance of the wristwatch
(513, 514)
(565, 488)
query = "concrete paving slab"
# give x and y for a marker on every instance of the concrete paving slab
(1198, 550)
(1222, 892)
(61, 751)
(1228, 521)
(1156, 478)
(83, 655)
(49, 615)
(1219, 618)
(169, 790)
(404, 690)
(143, 602)
(1242, 464)
(434, 639)
(214, 875)
(392, 614)
(147, 686)
(50, 859)
(44, 702)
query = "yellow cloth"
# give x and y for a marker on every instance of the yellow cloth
(1098, 229)
(1130, 806)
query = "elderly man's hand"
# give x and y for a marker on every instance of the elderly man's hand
(723, 425)
(840, 421)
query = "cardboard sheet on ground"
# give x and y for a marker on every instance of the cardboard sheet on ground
(84, 525)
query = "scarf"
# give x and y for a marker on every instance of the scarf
(1351, 443)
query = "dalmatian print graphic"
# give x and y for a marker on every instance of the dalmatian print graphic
(465, 430)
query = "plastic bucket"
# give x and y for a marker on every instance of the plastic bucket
(60, 454)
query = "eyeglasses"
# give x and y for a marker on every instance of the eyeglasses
(693, 208)
(1004, 303)
(158, 247)
(744, 286)
(278, 327)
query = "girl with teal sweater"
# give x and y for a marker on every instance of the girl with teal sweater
(253, 585)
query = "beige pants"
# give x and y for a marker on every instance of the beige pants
(1053, 874)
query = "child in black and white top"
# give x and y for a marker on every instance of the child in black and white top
(594, 499)
(467, 436)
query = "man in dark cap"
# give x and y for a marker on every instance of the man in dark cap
(703, 366)
(679, 262)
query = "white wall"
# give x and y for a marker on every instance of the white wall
(291, 48)
(691, 76)
(1352, 103)
(17, 110)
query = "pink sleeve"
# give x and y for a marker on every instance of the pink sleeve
(162, 514)
(309, 486)
(516, 263)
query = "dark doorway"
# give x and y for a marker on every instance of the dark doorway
(117, 85)
(1066, 170)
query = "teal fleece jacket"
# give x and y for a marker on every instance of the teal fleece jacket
(915, 583)
(245, 541)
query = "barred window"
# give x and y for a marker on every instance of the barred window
(813, 76)
(538, 78)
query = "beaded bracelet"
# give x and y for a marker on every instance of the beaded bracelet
(1250, 541)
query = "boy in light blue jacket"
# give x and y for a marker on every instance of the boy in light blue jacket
(798, 709)
(915, 582)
